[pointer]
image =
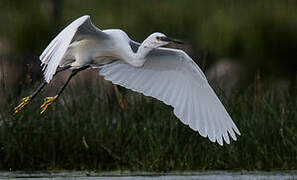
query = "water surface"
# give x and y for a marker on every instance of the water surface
(212, 175)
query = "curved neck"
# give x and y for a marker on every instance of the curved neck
(144, 49)
(138, 58)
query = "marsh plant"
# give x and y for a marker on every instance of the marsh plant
(110, 128)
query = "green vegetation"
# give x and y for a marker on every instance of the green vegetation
(90, 130)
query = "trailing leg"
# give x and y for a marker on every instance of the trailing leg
(28, 99)
(49, 100)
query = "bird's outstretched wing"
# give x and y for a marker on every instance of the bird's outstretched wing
(54, 52)
(174, 78)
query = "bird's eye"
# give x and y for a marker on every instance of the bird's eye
(158, 38)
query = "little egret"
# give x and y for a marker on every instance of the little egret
(166, 74)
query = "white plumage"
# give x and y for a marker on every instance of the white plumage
(54, 52)
(169, 75)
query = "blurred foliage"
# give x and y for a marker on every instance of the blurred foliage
(261, 34)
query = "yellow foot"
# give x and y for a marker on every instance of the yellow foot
(24, 102)
(47, 102)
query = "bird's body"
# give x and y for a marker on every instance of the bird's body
(94, 51)
(169, 75)
(90, 51)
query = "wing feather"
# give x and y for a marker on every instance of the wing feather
(174, 78)
(179, 103)
(53, 54)
(55, 51)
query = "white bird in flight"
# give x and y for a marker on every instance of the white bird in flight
(166, 74)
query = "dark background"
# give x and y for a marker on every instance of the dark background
(237, 37)
(247, 50)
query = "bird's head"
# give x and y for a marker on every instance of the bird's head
(159, 39)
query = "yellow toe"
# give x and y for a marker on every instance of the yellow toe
(24, 102)
(47, 102)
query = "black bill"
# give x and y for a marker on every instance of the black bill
(171, 40)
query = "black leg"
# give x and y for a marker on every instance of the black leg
(28, 99)
(44, 82)
(49, 100)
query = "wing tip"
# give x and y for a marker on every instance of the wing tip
(236, 130)
(47, 78)
(221, 143)
(224, 138)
